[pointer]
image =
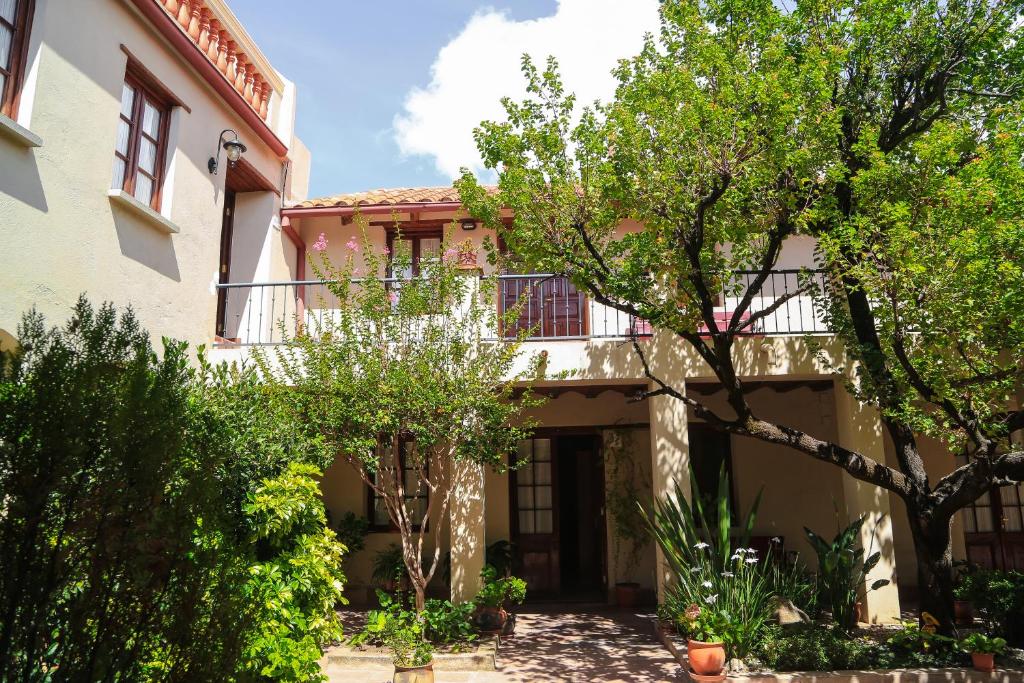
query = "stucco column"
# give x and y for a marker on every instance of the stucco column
(859, 428)
(466, 530)
(670, 461)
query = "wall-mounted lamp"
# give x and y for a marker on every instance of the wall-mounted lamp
(468, 224)
(233, 148)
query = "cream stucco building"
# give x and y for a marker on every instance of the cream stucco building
(116, 113)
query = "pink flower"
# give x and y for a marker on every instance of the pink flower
(385, 251)
(321, 243)
(450, 253)
(351, 245)
(393, 297)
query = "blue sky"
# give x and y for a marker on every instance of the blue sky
(390, 90)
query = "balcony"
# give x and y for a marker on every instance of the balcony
(267, 313)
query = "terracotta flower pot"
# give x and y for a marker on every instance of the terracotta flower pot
(490, 619)
(858, 611)
(626, 594)
(706, 659)
(414, 674)
(701, 678)
(963, 611)
(983, 661)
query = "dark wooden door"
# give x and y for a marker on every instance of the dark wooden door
(535, 517)
(551, 306)
(227, 228)
(994, 529)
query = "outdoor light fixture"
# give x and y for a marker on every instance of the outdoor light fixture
(468, 224)
(233, 148)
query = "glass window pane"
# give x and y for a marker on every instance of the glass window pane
(151, 120)
(984, 518)
(124, 131)
(525, 449)
(418, 507)
(542, 449)
(543, 496)
(545, 522)
(127, 100)
(1008, 494)
(3, 80)
(5, 46)
(526, 521)
(1012, 521)
(430, 248)
(969, 520)
(542, 472)
(117, 182)
(524, 475)
(147, 156)
(143, 189)
(525, 500)
(380, 513)
(984, 499)
(7, 8)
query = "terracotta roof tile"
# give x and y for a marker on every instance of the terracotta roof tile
(384, 197)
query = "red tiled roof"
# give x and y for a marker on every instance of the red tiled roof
(385, 197)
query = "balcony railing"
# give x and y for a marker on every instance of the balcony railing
(547, 307)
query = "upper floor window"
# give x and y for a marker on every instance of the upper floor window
(141, 142)
(15, 21)
(415, 250)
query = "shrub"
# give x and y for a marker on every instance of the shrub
(496, 592)
(352, 530)
(999, 598)
(152, 529)
(913, 645)
(814, 648)
(448, 624)
(400, 630)
(298, 583)
(980, 643)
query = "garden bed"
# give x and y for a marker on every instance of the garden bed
(480, 655)
(1012, 674)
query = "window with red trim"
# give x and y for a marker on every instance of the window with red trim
(415, 491)
(15, 26)
(141, 146)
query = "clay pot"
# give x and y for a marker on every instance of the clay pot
(706, 659)
(983, 661)
(490, 619)
(626, 594)
(963, 611)
(414, 674)
(858, 611)
(702, 678)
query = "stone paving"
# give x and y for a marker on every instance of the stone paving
(552, 646)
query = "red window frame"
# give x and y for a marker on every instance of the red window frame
(145, 92)
(14, 72)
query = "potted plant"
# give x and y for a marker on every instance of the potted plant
(983, 650)
(705, 649)
(411, 654)
(629, 532)
(964, 591)
(491, 616)
(389, 569)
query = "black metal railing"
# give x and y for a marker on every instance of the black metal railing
(547, 307)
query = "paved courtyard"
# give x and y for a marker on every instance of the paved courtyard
(609, 646)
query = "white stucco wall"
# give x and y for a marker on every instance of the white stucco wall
(60, 234)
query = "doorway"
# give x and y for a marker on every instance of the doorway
(558, 522)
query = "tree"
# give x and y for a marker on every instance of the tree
(399, 381)
(887, 129)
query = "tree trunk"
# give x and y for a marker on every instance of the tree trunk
(934, 550)
(420, 590)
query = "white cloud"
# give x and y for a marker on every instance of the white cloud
(482, 64)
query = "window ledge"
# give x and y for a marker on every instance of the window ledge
(157, 220)
(10, 129)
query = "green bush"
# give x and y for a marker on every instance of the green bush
(813, 647)
(448, 624)
(980, 643)
(998, 597)
(133, 487)
(496, 592)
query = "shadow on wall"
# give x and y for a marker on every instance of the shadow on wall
(19, 176)
(146, 245)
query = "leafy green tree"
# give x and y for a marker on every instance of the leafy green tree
(887, 129)
(399, 381)
(143, 535)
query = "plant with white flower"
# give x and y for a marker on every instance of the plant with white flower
(701, 545)
(711, 599)
(707, 584)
